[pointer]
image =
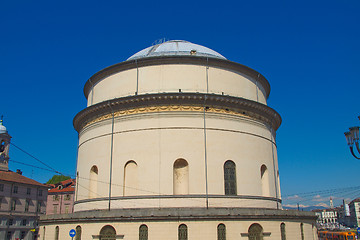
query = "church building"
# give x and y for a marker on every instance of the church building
(178, 143)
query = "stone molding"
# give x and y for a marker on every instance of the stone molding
(179, 196)
(177, 214)
(153, 61)
(177, 102)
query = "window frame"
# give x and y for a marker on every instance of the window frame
(221, 232)
(13, 204)
(182, 232)
(230, 181)
(27, 205)
(15, 189)
(38, 206)
(143, 232)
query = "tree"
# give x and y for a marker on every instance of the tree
(57, 178)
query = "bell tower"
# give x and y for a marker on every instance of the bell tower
(4, 147)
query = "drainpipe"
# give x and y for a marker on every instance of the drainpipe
(137, 78)
(205, 156)
(111, 153)
(274, 165)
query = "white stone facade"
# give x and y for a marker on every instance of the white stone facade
(184, 132)
(355, 213)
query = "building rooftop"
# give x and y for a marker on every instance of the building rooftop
(10, 176)
(64, 186)
(176, 48)
(355, 200)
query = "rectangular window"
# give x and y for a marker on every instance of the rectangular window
(24, 222)
(55, 209)
(11, 222)
(27, 203)
(22, 235)
(15, 190)
(66, 208)
(38, 207)
(13, 205)
(28, 191)
(67, 197)
(1, 187)
(40, 192)
(56, 197)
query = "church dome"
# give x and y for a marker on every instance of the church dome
(176, 48)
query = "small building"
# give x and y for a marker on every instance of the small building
(327, 218)
(344, 214)
(22, 199)
(60, 197)
(354, 206)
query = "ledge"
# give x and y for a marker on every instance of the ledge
(177, 214)
(180, 196)
(242, 106)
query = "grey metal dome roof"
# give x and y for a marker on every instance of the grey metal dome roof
(176, 48)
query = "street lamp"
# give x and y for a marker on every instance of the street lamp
(353, 137)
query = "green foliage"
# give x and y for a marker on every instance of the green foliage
(57, 178)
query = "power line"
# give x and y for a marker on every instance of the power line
(319, 192)
(307, 195)
(35, 158)
(29, 165)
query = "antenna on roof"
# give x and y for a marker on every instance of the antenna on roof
(159, 41)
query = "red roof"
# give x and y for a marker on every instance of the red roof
(64, 186)
(67, 189)
(67, 181)
(15, 177)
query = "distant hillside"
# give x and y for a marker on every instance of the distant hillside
(308, 209)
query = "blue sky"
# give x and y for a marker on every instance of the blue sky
(308, 51)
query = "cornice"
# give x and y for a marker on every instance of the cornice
(176, 214)
(167, 101)
(163, 60)
(188, 196)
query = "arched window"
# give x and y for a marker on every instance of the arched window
(181, 177)
(78, 233)
(255, 232)
(57, 233)
(143, 232)
(107, 233)
(302, 231)
(130, 179)
(182, 232)
(264, 173)
(230, 178)
(93, 184)
(282, 230)
(221, 232)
